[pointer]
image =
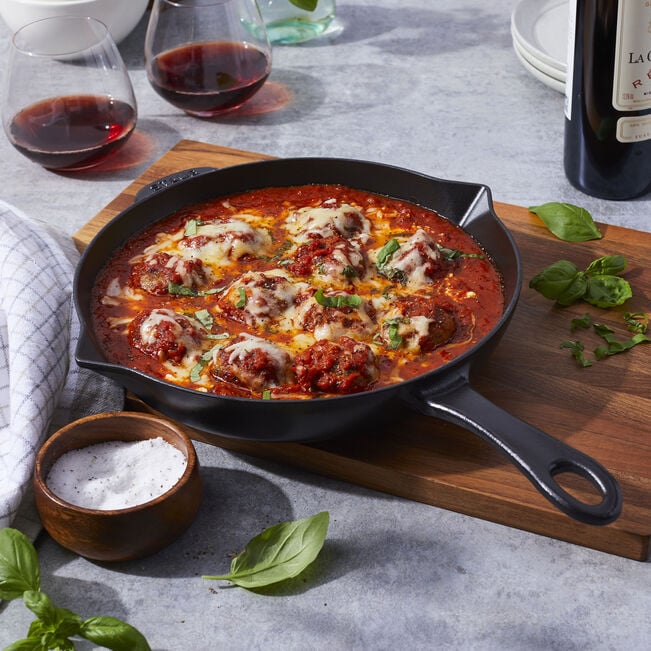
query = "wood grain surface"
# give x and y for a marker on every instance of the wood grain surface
(602, 410)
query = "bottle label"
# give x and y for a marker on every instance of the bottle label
(634, 129)
(632, 75)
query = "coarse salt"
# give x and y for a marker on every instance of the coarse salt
(116, 474)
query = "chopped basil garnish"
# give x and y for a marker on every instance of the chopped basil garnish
(453, 254)
(349, 271)
(584, 322)
(637, 322)
(614, 346)
(221, 335)
(386, 252)
(183, 290)
(349, 300)
(395, 338)
(180, 290)
(190, 228)
(576, 348)
(205, 318)
(242, 301)
(195, 371)
(266, 394)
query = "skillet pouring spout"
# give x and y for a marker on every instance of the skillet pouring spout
(539, 456)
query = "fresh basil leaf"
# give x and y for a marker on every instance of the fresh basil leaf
(576, 348)
(279, 552)
(26, 644)
(609, 265)
(607, 291)
(555, 279)
(19, 567)
(113, 634)
(339, 301)
(575, 291)
(568, 222)
(266, 394)
(386, 252)
(62, 621)
(305, 5)
(637, 322)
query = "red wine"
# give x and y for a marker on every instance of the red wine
(608, 98)
(208, 78)
(72, 132)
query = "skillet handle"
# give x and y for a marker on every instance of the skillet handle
(539, 456)
(170, 179)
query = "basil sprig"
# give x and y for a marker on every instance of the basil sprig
(20, 577)
(568, 222)
(598, 284)
(280, 552)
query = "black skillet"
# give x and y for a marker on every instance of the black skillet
(444, 393)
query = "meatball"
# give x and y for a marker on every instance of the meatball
(256, 298)
(418, 323)
(165, 335)
(416, 262)
(252, 362)
(348, 366)
(331, 218)
(333, 257)
(331, 322)
(157, 271)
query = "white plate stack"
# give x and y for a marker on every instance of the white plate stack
(539, 31)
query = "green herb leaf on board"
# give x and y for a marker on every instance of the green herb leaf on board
(568, 222)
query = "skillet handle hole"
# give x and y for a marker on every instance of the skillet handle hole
(579, 487)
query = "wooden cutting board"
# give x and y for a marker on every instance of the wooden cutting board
(602, 410)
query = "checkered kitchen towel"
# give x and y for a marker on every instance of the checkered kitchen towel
(41, 387)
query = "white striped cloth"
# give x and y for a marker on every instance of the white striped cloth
(41, 386)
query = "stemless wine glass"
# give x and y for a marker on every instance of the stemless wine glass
(68, 101)
(206, 56)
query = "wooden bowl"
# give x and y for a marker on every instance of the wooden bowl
(126, 533)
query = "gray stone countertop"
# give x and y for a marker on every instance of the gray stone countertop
(435, 87)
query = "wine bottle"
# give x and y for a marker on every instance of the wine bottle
(608, 98)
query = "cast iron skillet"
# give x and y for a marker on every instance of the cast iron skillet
(444, 393)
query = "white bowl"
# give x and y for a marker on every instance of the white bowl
(120, 16)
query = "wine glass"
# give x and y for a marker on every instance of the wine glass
(68, 101)
(206, 56)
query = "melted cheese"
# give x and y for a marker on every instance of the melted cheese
(228, 241)
(410, 260)
(238, 351)
(344, 220)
